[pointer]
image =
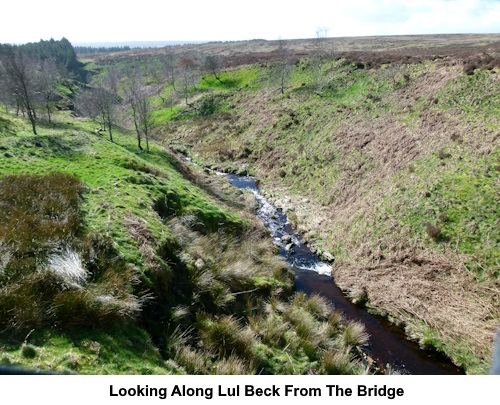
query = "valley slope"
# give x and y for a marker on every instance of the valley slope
(392, 166)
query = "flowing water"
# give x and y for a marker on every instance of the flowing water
(388, 343)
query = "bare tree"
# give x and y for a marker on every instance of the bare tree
(47, 79)
(164, 75)
(320, 78)
(99, 103)
(189, 76)
(170, 73)
(86, 106)
(213, 65)
(317, 62)
(169, 66)
(112, 79)
(282, 69)
(68, 77)
(19, 72)
(161, 72)
(398, 74)
(321, 35)
(142, 108)
(145, 115)
(5, 95)
(132, 95)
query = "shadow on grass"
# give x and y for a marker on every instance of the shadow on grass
(53, 145)
(6, 127)
(43, 123)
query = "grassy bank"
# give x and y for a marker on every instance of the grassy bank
(115, 261)
(394, 170)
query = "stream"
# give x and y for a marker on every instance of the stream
(388, 344)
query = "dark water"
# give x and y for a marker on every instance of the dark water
(388, 343)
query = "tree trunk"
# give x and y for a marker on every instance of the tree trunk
(48, 113)
(134, 114)
(138, 136)
(32, 120)
(109, 127)
(33, 126)
(31, 115)
(173, 80)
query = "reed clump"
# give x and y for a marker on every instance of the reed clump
(51, 274)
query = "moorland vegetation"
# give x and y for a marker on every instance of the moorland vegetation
(116, 259)
(383, 151)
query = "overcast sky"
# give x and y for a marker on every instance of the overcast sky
(153, 20)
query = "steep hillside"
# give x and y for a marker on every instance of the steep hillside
(394, 170)
(119, 261)
(121, 258)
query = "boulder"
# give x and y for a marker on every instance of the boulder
(328, 256)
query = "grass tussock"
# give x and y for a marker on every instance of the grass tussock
(354, 335)
(308, 337)
(291, 340)
(225, 336)
(150, 250)
(193, 361)
(38, 213)
(403, 174)
(339, 363)
(44, 281)
(234, 290)
(232, 365)
(227, 268)
(29, 351)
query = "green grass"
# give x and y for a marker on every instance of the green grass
(209, 104)
(119, 184)
(461, 199)
(106, 351)
(164, 256)
(475, 96)
(389, 158)
(117, 190)
(343, 84)
(166, 115)
(230, 80)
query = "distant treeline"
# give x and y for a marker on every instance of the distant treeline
(31, 75)
(82, 50)
(61, 52)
